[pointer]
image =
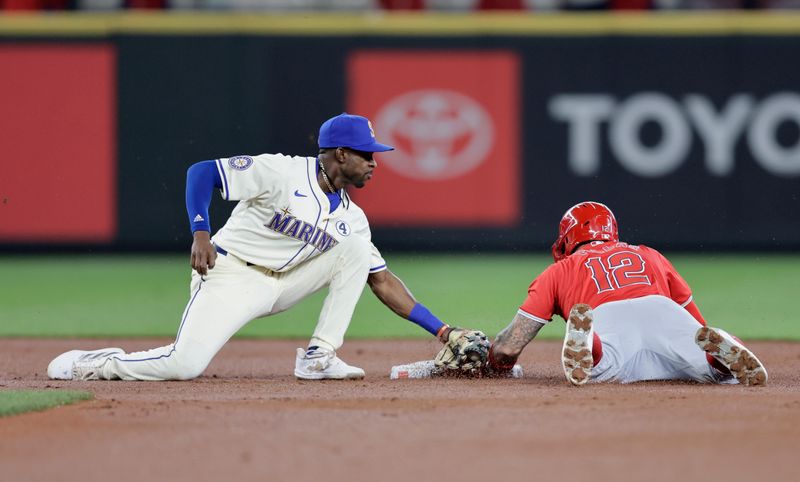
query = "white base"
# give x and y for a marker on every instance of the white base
(424, 369)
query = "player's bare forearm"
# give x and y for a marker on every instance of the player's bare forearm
(204, 255)
(510, 342)
(392, 292)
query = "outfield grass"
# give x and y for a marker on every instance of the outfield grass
(100, 296)
(13, 402)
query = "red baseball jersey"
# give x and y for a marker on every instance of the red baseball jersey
(601, 272)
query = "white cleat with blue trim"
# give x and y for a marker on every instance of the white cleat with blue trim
(80, 364)
(320, 364)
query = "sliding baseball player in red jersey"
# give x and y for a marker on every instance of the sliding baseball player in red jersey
(630, 315)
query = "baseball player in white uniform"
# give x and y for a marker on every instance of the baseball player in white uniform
(294, 231)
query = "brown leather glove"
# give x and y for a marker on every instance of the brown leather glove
(465, 351)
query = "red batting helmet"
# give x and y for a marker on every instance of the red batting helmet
(586, 221)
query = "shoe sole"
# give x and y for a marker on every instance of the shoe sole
(576, 354)
(323, 376)
(742, 363)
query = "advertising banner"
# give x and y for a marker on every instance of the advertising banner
(453, 118)
(693, 141)
(58, 144)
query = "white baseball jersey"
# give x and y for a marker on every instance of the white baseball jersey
(283, 217)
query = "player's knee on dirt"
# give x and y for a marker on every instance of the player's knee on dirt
(185, 367)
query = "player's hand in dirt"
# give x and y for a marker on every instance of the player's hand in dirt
(204, 256)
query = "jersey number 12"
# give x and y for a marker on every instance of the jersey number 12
(620, 269)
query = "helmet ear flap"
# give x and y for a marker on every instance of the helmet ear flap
(558, 249)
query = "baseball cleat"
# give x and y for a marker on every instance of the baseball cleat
(80, 364)
(320, 364)
(742, 363)
(576, 355)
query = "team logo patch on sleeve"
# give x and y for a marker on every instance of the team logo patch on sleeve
(343, 228)
(240, 163)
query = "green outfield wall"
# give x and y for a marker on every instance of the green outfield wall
(687, 125)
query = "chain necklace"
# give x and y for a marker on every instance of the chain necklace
(329, 184)
(325, 177)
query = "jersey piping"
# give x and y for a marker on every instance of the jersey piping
(177, 337)
(316, 222)
(529, 316)
(224, 180)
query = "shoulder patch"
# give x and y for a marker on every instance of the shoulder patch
(240, 163)
(343, 228)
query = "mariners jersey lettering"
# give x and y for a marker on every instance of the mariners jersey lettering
(283, 217)
(288, 225)
(599, 273)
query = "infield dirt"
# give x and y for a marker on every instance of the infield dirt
(247, 418)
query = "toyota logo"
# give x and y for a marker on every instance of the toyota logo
(437, 134)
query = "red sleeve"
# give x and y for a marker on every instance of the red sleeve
(679, 289)
(680, 292)
(541, 298)
(695, 311)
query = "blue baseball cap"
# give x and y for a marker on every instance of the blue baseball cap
(353, 131)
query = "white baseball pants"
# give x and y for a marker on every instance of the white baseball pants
(233, 294)
(649, 338)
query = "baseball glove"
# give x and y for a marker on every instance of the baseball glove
(464, 352)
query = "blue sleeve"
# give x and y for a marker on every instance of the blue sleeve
(201, 179)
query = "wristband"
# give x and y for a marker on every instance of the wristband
(424, 318)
